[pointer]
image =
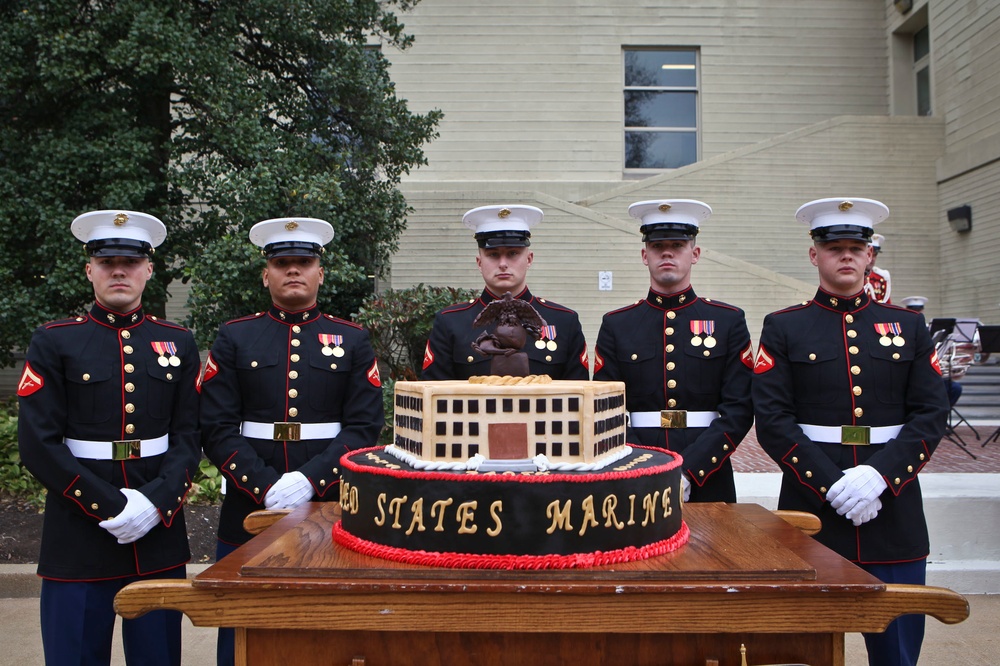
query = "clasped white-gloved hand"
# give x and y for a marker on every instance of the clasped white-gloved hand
(859, 486)
(685, 487)
(136, 519)
(288, 492)
(863, 512)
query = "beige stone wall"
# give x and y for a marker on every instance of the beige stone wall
(754, 253)
(532, 89)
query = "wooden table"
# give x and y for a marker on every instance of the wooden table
(745, 577)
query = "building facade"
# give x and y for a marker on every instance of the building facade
(581, 107)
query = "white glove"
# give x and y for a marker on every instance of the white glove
(136, 519)
(288, 492)
(859, 485)
(685, 487)
(862, 512)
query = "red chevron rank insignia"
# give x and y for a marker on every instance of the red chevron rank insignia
(747, 356)
(763, 362)
(211, 370)
(935, 363)
(428, 356)
(598, 360)
(30, 382)
(373, 377)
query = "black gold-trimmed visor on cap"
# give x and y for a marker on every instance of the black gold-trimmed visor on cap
(119, 247)
(505, 238)
(668, 231)
(842, 232)
(292, 249)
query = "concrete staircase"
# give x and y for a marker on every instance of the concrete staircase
(980, 401)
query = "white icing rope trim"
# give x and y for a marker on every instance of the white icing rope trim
(584, 467)
(542, 463)
(472, 463)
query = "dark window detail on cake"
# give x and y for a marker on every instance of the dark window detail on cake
(440, 450)
(399, 399)
(473, 406)
(539, 427)
(474, 429)
(491, 405)
(556, 448)
(574, 449)
(456, 428)
(413, 446)
(442, 406)
(539, 448)
(574, 427)
(473, 448)
(557, 427)
(440, 428)
(456, 451)
(540, 405)
(574, 404)
(557, 404)
(456, 406)
(524, 405)
(508, 405)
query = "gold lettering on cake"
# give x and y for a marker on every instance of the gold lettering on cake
(495, 510)
(631, 509)
(649, 503)
(632, 463)
(382, 461)
(608, 511)
(589, 516)
(417, 522)
(394, 504)
(380, 505)
(559, 516)
(348, 498)
(437, 509)
(668, 508)
(465, 515)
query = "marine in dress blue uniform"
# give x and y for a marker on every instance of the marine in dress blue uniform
(686, 361)
(503, 234)
(109, 425)
(286, 392)
(849, 402)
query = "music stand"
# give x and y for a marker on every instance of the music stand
(958, 331)
(989, 343)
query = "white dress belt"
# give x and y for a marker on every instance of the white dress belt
(655, 419)
(117, 450)
(848, 434)
(289, 431)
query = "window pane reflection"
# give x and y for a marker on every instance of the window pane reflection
(660, 150)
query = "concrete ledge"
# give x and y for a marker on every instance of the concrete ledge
(19, 581)
(962, 512)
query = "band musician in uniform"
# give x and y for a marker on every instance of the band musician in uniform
(109, 425)
(685, 360)
(849, 402)
(878, 281)
(287, 391)
(503, 234)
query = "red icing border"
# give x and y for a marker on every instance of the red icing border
(472, 561)
(501, 477)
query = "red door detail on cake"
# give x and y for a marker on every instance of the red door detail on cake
(508, 441)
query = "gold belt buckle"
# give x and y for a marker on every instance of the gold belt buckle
(287, 431)
(855, 435)
(673, 418)
(126, 449)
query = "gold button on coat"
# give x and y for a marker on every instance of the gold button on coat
(671, 315)
(126, 335)
(293, 411)
(127, 349)
(672, 383)
(855, 370)
(292, 393)
(858, 412)
(849, 319)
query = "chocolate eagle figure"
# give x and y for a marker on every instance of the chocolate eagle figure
(514, 319)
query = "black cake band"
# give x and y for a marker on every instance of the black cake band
(630, 510)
